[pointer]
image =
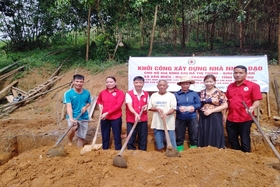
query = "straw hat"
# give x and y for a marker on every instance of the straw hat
(185, 79)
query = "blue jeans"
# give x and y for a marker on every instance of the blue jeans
(160, 136)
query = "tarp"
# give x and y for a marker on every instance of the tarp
(172, 68)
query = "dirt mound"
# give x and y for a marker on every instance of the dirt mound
(197, 167)
(29, 132)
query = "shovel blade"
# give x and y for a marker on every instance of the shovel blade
(172, 152)
(56, 151)
(119, 161)
(89, 148)
(86, 149)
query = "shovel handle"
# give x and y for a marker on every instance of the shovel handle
(130, 133)
(97, 128)
(166, 133)
(259, 127)
(60, 139)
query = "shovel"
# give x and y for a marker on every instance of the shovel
(58, 151)
(118, 160)
(93, 146)
(170, 150)
(265, 137)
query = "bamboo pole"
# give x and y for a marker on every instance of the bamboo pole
(2, 77)
(7, 67)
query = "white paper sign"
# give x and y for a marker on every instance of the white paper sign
(172, 68)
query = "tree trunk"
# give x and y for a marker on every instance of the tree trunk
(117, 46)
(153, 31)
(99, 15)
(207, 34)
(240, 36)
(175, 27)
(142, 30)
(88, 34)
(197, 30)
(279, 38)
(212, 34)
(269, 30)
(183, 44)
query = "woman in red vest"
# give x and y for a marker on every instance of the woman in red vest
(110, 101)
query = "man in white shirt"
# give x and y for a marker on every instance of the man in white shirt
(163, 104)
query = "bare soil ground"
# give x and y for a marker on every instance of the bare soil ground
(29, 132)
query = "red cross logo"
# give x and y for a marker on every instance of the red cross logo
(191, 61)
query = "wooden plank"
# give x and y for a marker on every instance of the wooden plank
(15, 94)
(6, 90)
(92, 106)
(277, 118)
(20, 91)
(10, 98)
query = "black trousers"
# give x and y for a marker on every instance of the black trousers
(180, 130)
(116, 126)
(142, 131)
(242, 130)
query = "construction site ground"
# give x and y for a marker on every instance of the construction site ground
(31, 130)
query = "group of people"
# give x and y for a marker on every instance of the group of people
(203, 113)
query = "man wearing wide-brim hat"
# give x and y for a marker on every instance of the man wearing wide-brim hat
(188, 102)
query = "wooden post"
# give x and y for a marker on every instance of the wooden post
(57, 106)
(258, 113)
(268, 104)
(277, 95)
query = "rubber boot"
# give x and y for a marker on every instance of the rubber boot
(193, 146)
(180, 148)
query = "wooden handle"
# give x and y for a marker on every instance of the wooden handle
(97, 128)
(166, 133)
(60, 139)
(130, 133)
(259, 127)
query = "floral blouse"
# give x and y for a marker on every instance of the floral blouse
(213, 100)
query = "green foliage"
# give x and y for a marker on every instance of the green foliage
(242, 16)
(102, 47)
(26, 24)
(273, 62)
(61, 25)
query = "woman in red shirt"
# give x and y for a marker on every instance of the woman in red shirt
(110, 101)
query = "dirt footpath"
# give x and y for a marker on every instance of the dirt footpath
(29, 132)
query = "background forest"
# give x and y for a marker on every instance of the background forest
(99, 31)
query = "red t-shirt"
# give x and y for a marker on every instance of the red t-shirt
(112, 103)
(248, 92)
